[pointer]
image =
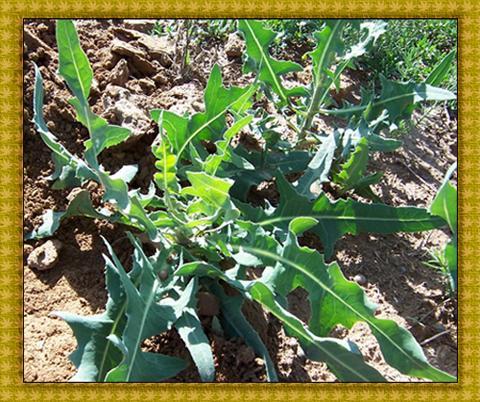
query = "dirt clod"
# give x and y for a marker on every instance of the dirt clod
(45, 256)
(234, 47)
(119, 74)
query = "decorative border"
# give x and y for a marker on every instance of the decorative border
(12, 13)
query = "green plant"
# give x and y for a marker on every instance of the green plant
(411, 48)
(445, 206)
(207, 236)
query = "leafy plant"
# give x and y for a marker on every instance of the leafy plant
(206, 233)
(445, 206)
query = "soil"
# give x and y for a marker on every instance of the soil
(395, 277)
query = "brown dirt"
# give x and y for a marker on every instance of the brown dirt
(405, 290)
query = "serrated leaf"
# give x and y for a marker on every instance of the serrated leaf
(397, 98)
(338, 218)
(352, 175)
(269, 70)
(209, 125)
(166, 179)
(212, 190)
(346, 363)
(81, 205)
(265, 166)
(319, 167)
(344, 360)
(329, 43)
(69, 171)
(223, 154)
(147, 314)
(95, 354)
(334, 300)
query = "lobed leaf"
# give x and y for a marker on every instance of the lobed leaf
(338, 218)
(269, 70)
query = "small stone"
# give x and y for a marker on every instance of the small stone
(45, 256)
(292, 342)
(136, 56)
(207, 304)
(147, 85)
(360, 279)
(259, 361)
(234, 46)
(119, 74)
(160, 78)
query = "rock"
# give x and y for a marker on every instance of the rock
(147, 85)
(45, 256)
(360, 279)
(160, 78)
(136, 56)
(259, 361)
(158, 48)
(234, 47)
(120, 107)
(207, 304)
(119, 74)
(145, 26)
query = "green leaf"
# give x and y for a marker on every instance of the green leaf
(70, 171)
(95, 355)
(231, 307)
(166, 179)
(73, 62)
(345, 362)
(329, 43)
(269, 70)
(191, 331)
(338, 218)
(441, 71)
(81, 205)
(445, 206)
(445, 202)
(319, 167)
(223, 153)
(209, 125)
(265, 167)
(335, 300)
(148, 314)
(102, 134)
(212, 190)
(397, 99)
(352, 175)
